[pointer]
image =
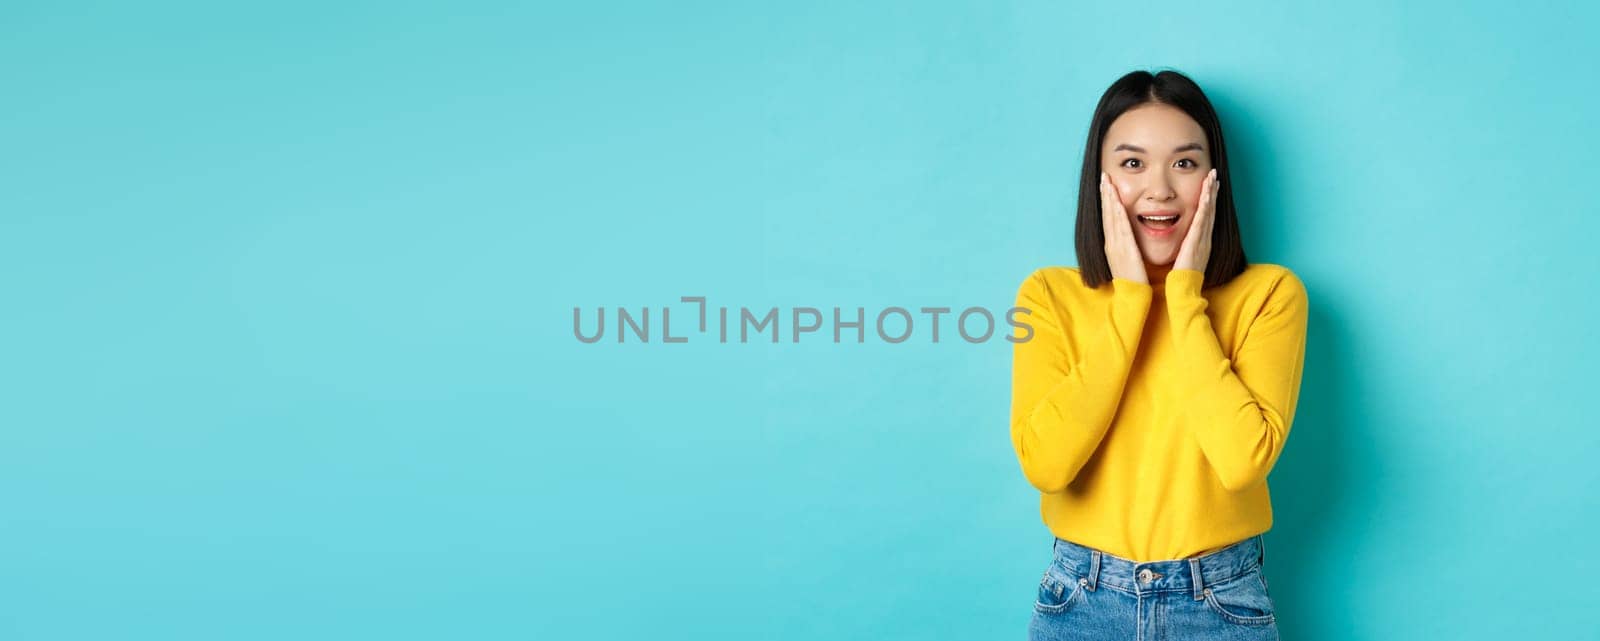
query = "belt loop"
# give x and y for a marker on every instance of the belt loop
(1094, 569)
(1194, 573)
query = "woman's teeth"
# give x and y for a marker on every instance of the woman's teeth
(1159, 222)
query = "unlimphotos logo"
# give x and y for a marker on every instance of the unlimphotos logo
(893, 324)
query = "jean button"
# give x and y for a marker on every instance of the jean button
(1144, 575)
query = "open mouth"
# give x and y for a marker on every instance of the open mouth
(1159, 222)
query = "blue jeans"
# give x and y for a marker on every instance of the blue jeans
(1089, 594)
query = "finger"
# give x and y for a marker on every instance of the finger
(1211, 208)
(1111, 210)
(1119, 215)
(1216, 188)
(1198, 226)
(1105, 211)
(1211, 214)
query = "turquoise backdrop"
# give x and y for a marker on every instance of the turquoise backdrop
(289, 289)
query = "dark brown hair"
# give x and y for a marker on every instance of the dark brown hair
(1132, 90)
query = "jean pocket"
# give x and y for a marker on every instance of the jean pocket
(1058, 591)
(1242, 599)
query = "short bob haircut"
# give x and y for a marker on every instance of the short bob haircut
(1132, 90)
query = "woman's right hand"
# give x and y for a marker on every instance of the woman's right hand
(1122, 249)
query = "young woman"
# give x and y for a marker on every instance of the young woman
(1158, 387)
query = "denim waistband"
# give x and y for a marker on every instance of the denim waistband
(1193, 574)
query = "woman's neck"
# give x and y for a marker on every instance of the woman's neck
(1157, 274)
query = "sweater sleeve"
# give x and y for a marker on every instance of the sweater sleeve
(1063, 398)
(1242, 408)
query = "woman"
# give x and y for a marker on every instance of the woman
(1158, 386)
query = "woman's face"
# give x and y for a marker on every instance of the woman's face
(1158, 157)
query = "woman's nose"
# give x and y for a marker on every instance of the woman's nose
(1159, 190)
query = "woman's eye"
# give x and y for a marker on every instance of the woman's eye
(1125, 162)
(1186, 160)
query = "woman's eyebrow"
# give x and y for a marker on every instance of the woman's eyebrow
(1136, 149)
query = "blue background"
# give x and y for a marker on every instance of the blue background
(288, 347)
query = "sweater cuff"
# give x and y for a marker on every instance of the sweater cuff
(1122, 288)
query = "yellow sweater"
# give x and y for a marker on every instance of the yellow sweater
(1148, 415)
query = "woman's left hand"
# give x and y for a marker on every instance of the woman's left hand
(1196, 249)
